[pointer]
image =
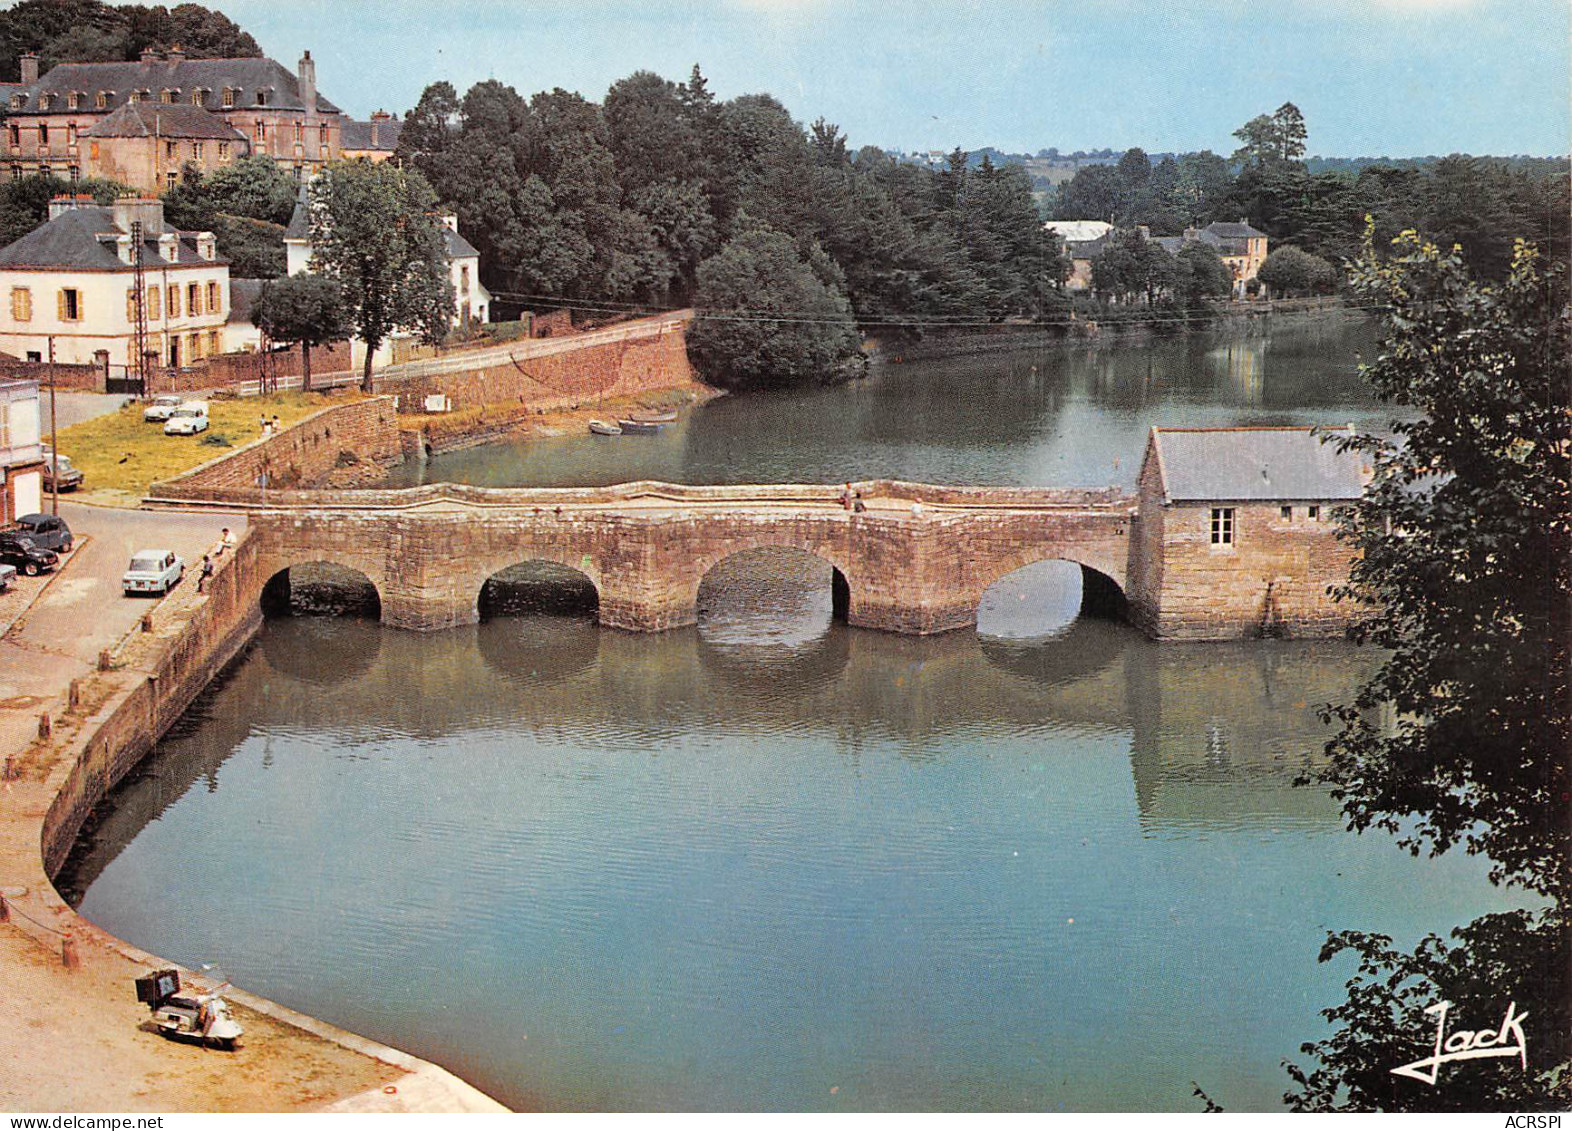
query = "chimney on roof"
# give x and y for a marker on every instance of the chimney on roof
(177, 54)
(67, 202)
(308, 83)
(29, 63)
(148, 210)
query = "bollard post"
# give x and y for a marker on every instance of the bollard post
(45, 725)
(68, 955)
(105, 661)
(74, 695)
(5, 911)
(10, 769)
(147, 622)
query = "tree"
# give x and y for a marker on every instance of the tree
(374, 231)
(1278, 139)
(765, 318)
(1200, 275)
(1289, 271)
(307, 310)
(1463, 548)
(1130, 265)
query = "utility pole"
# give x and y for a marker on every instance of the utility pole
(54, 451)
(138, 357)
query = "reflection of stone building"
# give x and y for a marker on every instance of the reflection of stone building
(1235, 534)
(227, 108)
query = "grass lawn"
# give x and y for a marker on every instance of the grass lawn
(121, 454)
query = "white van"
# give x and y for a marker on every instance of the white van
(187, 420)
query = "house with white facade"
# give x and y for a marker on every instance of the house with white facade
(472, 301)
(72, 279)
(21, 452)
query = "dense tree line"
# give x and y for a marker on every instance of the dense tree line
(83, 31)
(663, 194)
(1481, 204)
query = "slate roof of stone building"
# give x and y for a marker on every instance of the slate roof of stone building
(300, 219)
(358, 135)
(458, 246)
(1231, 231)
(1085, 249)
(243, 295)
(150, 119)
(1253, 465)
(244, 76)
(71, 240)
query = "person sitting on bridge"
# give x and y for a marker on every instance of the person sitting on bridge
(846, 497)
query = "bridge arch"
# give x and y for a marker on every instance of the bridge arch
(329, 585)
(538, 585)
(766, 551)
(1101, 588)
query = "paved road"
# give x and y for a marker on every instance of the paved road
(75, 407)
(83, 610)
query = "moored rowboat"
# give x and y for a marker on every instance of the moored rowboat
(666, 417)
(601, 428)
(639, 427)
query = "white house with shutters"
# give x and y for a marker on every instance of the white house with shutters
(71, 279)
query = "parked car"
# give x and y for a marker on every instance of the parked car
(187, 420)
(21, 551)
(160, 407)
(61, 467)
(152, 571)
(46, 530)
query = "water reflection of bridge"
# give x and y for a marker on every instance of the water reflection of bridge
(1216, 732)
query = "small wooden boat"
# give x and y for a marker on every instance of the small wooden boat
(667, 417)
(601, 428)
(631, 427)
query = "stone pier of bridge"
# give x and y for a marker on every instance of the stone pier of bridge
(916, 560)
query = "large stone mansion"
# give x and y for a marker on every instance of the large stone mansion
(142, 123)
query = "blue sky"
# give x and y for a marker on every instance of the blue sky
(1400, 77)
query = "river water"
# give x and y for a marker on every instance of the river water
(772, 862)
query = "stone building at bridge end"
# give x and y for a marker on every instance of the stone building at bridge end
(1235, 536)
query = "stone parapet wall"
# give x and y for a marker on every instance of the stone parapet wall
(558, 380)
(339, 438)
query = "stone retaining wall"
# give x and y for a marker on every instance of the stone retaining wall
(338, 439)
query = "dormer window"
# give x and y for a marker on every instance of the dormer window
(167, 96)
(43, 101)
(101, 100)
(74, 100)
(262, 98)
(199, 96)
(18, 101)
(229, 98)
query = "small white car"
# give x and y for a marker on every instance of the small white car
(152, 571)
(161, 407)
(7, 575)
(187, 420)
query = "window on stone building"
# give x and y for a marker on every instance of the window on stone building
(464, 280)
(152, 302)
(1313, 514)
(70, 304)
(1288, 512)
(18, 101)
(1222, 526)
(261, 132)
(70, 133)
(300, 132)
(229, 98)
(171, 150)
(22, 304)
(45, 171)
(196, 152)
(43, 136)
(223, 151)
(16, 134)
(261, 98)
(193, 299)
(324, 137)
(16, 172)
(171, 180)
(174, 300)
(213, 302)
(76, 173)
(101, 100)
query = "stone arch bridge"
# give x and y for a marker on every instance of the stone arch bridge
(916, 560)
